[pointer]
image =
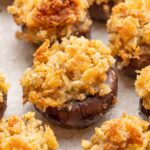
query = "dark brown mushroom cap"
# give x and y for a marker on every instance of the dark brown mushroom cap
(143, 110)
(138, 64)
(3, 106)
(103, 11)
(80, 114)
(99, 13)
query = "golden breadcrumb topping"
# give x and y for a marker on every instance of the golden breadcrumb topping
(129, 30)
(26, 133)
(124, 133)
(70, 70)
(3, 87)
(142, 86)
(50, 19)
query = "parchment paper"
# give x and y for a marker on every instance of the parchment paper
(16, 56)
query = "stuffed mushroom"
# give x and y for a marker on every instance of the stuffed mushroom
(124, 133)
(26, 133)
(71, 82)
(129, 32)
(142, 86)
(3, 94)
(50, 19)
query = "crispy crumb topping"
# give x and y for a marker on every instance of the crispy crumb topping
(50, 19)
(26, 133)
(66, 71)
(3, 87)
(142, 86)
(125, 133)
(129, 30)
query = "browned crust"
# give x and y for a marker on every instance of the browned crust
(86, 34)
(53, 12)
(3, 106)
(79, 114)
(138, 64)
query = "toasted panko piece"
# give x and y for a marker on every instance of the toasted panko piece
(124, 133)
(26, 133)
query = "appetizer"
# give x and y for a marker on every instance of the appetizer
(50, 19)
(142, 86)
(100, 10)
(26, 133)
(124, 133)
(129, 35)
(71, 82)
(3, 94)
